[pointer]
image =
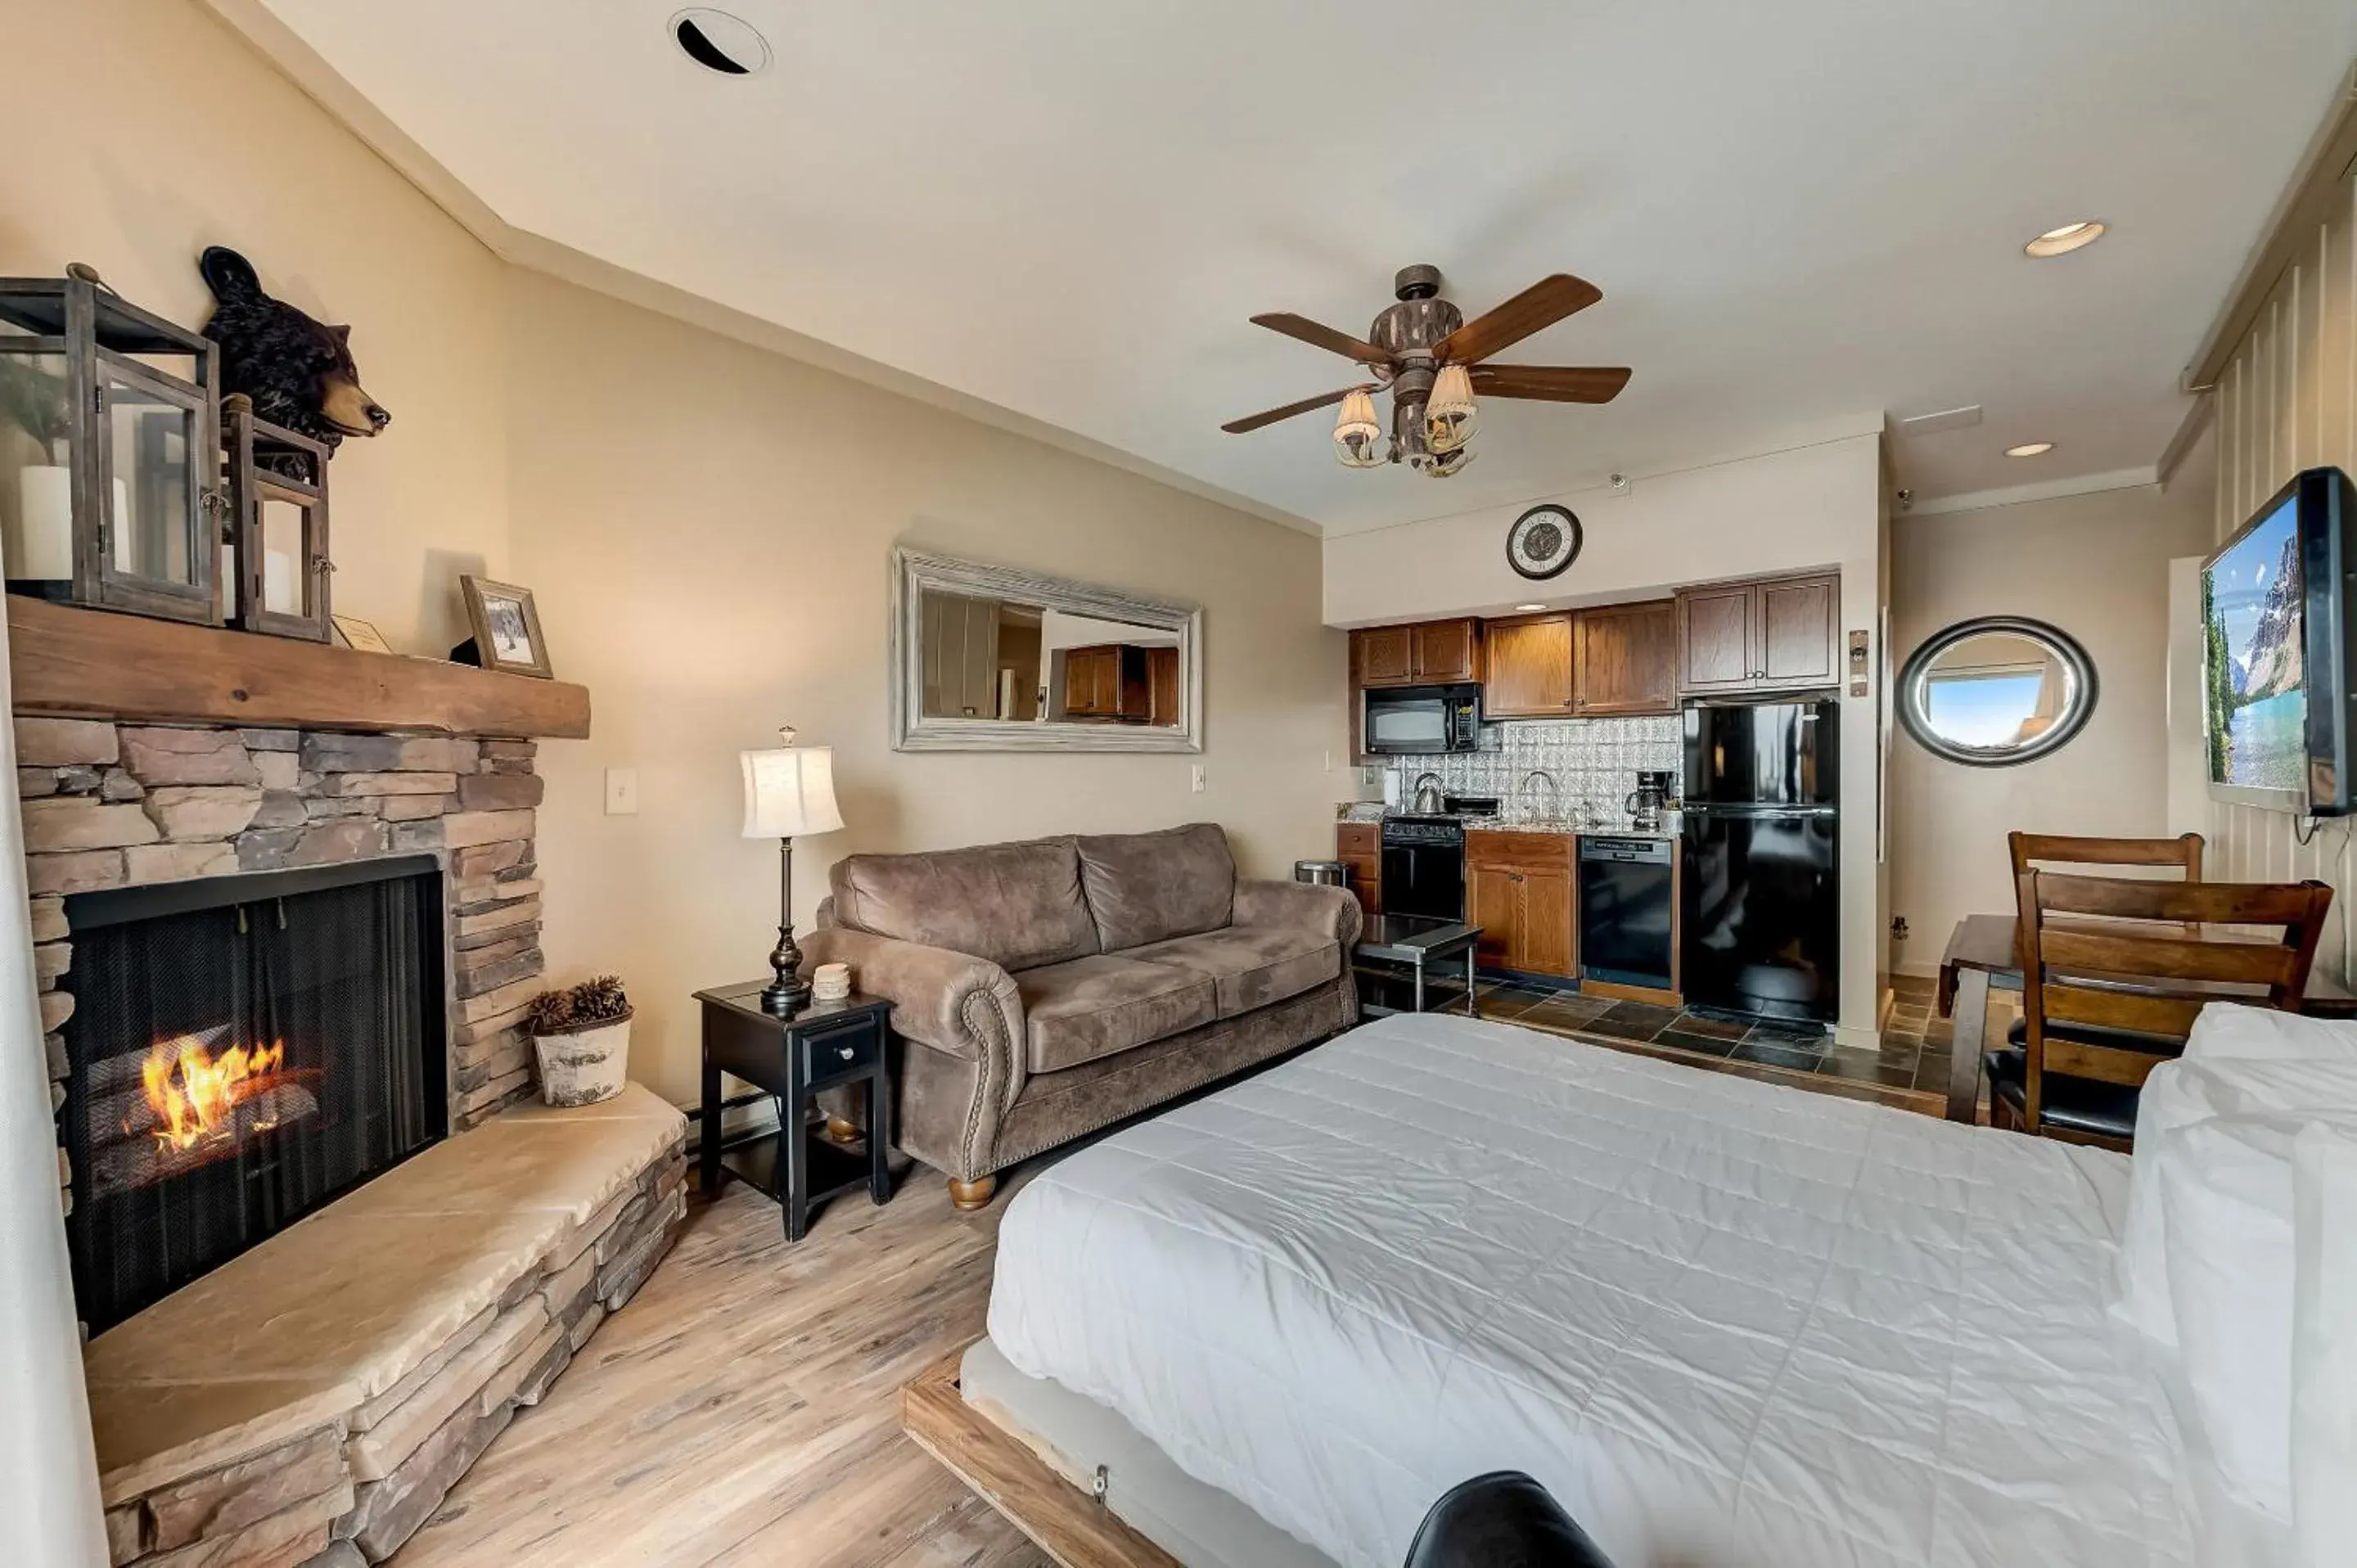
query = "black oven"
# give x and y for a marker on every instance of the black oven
(1424, 866)
(1421, 721)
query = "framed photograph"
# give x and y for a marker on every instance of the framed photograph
(358, 634)
(507, 628)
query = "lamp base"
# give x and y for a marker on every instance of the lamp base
(787, 993)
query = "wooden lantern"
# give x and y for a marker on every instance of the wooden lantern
(275, 563)
(109, 421)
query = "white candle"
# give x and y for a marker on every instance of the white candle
(278, 582)
(41, 547)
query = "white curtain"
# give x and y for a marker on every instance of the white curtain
(50, 1515)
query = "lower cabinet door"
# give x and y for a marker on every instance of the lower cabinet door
(1490, 903)
(1545, 926)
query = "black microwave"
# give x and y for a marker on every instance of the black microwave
(1422, 721)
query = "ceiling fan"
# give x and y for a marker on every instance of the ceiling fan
(1429, 358)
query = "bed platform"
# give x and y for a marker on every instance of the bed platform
(1720, 1320)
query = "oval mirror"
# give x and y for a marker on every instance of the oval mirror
(1996, 691)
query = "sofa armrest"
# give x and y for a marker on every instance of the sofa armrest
(952, 1002)
(1332, 910)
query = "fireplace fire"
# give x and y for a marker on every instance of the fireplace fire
(244, 1049)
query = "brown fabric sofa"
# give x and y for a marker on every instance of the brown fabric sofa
(1051, 987)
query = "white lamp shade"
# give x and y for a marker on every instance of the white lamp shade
(790, 791)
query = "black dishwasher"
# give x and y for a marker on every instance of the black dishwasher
(1626, 903)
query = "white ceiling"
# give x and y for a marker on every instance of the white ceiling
(1802, 216)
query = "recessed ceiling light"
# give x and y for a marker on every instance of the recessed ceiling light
(720, 42)
(1526, 609)
(2063, 241)
(2031, 449)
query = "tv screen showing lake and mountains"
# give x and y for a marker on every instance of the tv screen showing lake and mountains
(2256, 689)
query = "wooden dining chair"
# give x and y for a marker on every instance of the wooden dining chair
(2114, 973)
(2031, 850)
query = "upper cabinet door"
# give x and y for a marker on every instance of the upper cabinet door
(1529, 668)
(1446, 650)
(1800, 637)
(1625, 660)
(1383, 656)
(1715, 639)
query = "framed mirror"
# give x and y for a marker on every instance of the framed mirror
(999, 658)
(1996, 691)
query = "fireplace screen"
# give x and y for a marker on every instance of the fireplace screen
(244, 1049)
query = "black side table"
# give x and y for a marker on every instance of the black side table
(827, 1044)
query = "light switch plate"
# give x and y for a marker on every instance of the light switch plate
(1196, 778)
(622, 792)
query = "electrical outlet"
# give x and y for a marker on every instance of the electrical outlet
(1197, 780)
(622, 792)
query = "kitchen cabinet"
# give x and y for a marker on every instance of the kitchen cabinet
(1624, 659)
(1530, 667)
(1162, 686)
(1359, 847)
(1520, 889)
(1428, 654)
(1108, 680)
(1775, 634)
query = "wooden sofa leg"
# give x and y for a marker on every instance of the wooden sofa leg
(973, 1195)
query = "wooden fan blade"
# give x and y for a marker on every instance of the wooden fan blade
(1271, 415)
(1325, 337)
(1543, 303)
(1550, 383)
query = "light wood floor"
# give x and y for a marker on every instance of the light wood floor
(744, 1409)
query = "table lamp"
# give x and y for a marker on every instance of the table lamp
(787, 791)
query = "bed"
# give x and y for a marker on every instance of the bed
(1725, 1322)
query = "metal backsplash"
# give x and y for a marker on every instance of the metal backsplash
(1594, 763)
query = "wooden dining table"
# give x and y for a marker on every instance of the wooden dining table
(1980, 956)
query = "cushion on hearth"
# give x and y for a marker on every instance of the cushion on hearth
(1148, 887)
(1249, 966)
(1091, 1007)
(1018, 905)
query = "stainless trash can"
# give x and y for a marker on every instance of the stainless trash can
(1331, 873)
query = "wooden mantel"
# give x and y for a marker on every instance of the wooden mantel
(96, 664)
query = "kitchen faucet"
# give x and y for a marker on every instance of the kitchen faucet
(1554, 789)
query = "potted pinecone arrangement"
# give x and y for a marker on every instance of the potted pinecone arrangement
(581, 1035)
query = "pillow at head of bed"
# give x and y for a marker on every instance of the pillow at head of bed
(2178, 1093)
(2324, 1345)
(2234, 1031)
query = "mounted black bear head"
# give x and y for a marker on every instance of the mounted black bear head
(298, 371)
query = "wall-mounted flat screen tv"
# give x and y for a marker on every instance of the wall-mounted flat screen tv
(2276, 644)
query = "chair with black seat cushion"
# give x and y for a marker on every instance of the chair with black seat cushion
(2042, 851)
(2114, 974)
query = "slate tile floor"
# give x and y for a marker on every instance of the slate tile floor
(1911, 1067)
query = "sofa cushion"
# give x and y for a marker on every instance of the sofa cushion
(1091, 1007)
(1249, 966)
(1147, 887)
(1018, 905)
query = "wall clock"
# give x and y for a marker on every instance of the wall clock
(1544, 541)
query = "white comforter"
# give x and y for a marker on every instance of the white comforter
(1728, 1324)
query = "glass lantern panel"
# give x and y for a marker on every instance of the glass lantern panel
(36, 466)
(286, 580)
(155, 500)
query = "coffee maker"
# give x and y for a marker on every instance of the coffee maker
(1655, 789)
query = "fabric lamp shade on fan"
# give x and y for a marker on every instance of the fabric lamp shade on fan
(789, 792)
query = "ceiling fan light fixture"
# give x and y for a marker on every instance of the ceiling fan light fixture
(1449, 413)
(1358, 434)
(2063, 241)
(1445, 465)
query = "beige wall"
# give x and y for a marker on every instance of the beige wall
(1808, 507)
(2097, 566)
(2288, 401)
(141, 131)
(707, 525)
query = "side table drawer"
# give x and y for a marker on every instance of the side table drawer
(838, 1050)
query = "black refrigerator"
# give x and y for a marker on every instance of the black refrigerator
(1761, 914)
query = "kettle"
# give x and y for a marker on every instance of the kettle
(1428, 797)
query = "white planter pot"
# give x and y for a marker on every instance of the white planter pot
(582, 1067)
(41, 546)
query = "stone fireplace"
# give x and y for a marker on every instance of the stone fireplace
(284, 942)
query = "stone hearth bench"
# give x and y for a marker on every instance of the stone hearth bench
(312, 1401)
